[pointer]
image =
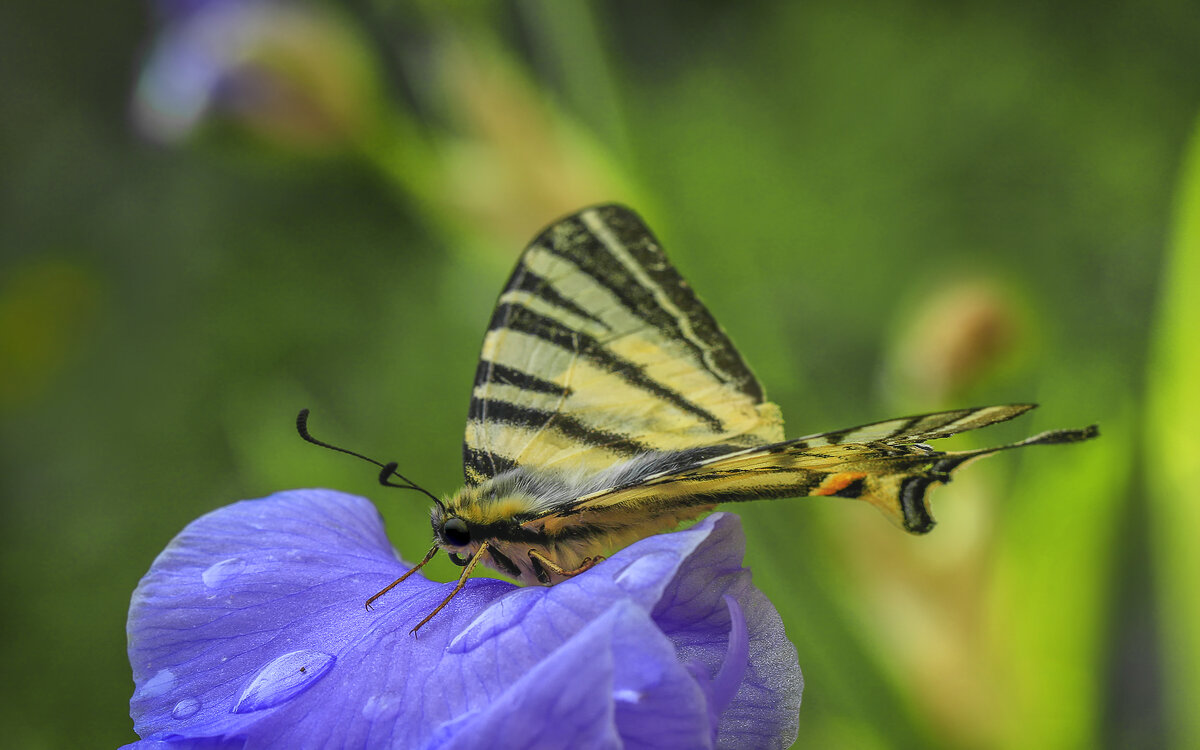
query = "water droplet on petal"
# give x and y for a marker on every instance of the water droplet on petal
(186, 708)
(160, 683)
(220, 574)
(627, 696)
(283, 679)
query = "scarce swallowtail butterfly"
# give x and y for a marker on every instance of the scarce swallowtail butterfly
(608, 405)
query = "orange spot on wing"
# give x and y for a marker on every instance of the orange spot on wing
(835, 483)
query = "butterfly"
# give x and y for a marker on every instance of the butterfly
(608, 405)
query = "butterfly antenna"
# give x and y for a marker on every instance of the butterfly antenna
(386, 471)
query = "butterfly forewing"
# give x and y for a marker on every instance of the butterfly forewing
(599, 351)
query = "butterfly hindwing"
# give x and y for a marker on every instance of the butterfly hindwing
(599, 351)
(918, 429)
(880, 463)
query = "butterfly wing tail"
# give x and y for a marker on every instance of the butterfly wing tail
(891, 468)
(899, 488)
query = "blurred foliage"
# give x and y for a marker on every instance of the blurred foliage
(892, 208)
(1173, 456)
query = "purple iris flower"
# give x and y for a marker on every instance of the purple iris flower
(297, 74)
(249, 632)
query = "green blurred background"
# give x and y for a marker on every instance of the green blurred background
(213, 214)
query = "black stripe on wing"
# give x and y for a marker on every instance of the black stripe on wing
(526, 280)
(689, 323)
(479, 465)
(491, 411)
(519, 318)
(493, 372)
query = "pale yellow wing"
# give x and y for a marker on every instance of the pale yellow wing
(599, 351)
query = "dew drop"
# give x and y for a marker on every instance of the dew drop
(159, 684)
(186, 708)
(220, 574)
(283, 679)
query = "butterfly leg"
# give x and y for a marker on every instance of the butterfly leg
(462, 581)
(398, 581)
(587, 564)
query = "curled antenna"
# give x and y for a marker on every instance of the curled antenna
(386, 471)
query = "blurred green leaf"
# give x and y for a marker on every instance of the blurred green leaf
(1173, 457)
(47, 306)
(1051, 588)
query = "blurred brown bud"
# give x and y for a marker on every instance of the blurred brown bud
(955, 339)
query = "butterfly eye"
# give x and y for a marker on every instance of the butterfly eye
(455, 532)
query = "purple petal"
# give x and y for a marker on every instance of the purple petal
(204, 743)
(692, 612)
(613, 683)
(250, 627)
(245, 587)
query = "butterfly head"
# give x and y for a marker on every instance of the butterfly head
(479, 513)
(455, 534)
